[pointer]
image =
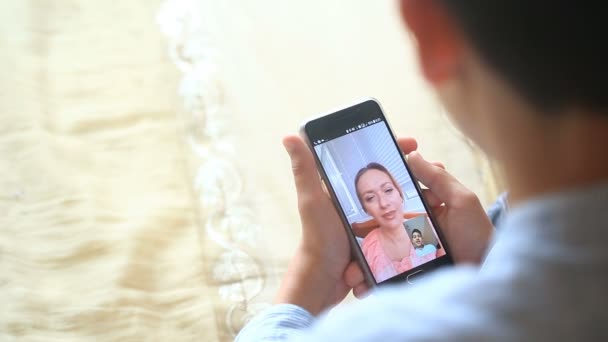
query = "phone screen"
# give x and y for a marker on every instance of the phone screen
(376, 193)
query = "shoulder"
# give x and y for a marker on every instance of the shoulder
(430, 248)
(372, 249)
(457, 304)
(402, 312)
(371, 240)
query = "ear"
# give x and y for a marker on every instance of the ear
(438, 38)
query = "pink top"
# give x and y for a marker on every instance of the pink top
(382, 267)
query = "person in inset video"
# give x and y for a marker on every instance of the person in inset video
(388, 248)
(419, 246)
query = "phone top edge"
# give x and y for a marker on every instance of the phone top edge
(338, 109)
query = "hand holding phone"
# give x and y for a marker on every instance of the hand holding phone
(322, 271)
(391, 229)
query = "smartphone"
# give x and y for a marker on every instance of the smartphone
(392, 232)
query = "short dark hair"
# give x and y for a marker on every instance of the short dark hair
(416, 230)
(552, 52)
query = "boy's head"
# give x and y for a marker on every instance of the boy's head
(501, 67)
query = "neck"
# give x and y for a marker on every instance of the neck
(394, 233)
(560, 154)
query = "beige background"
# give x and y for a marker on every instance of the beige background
(104, 233)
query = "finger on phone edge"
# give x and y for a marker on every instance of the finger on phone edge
(407, 144)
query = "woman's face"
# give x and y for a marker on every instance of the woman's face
(417, 239)
(380, 198)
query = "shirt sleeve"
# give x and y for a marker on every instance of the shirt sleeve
(498, 210)
(281, 322)
(403, 312)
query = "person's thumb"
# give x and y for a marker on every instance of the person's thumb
(438, 180)
(303, 166)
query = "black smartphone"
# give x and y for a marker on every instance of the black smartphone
(392, 232)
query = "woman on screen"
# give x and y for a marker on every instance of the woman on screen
(388, 248)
